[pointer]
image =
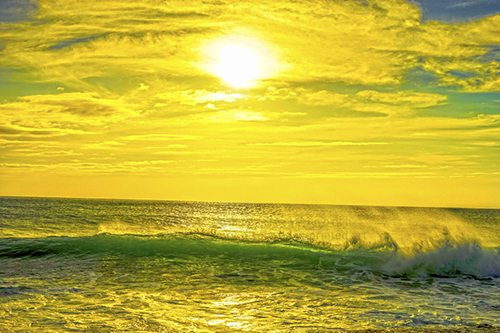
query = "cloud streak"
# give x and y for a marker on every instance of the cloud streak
(318, 144)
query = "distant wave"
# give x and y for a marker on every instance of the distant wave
(449, 260)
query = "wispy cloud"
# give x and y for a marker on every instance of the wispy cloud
(468, 3)
(317, 144)
(161, 137)
(65, 112)
(413, 99)
(191, 97)
(234, 115)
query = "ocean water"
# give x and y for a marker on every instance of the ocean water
(89, 265)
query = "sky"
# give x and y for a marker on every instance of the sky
(362, 102)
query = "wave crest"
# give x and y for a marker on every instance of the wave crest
(468, 259)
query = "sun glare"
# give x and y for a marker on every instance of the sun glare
(238, 66)
(240, 61)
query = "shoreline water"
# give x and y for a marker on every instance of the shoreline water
(471, 329)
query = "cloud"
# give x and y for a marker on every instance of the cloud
(322, 98)
(83, 39)
(235, 115)
(16, 132)
(78, 167)
(305, 96)
(190, 97)
(248, 116)
(364, 175)
(146, 163)
(468, 3)
(457, 10)
(373, 42)
(7, 130)
(471, 76)
(366, 101)
(410, 98)
(160, 137)
(71, 113)
(482, 72)
(55, 153)
(406, 166)
(318, 144)
(179, 152)
(473, 84)
(103, 145)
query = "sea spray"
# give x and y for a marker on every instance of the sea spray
(409, 230)
(465, 259)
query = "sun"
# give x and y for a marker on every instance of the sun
(238, 66)
(241, 60)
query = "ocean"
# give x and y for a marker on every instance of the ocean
(93, 265)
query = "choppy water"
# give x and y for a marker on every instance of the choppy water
(81, 265)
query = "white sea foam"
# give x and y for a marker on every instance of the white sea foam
(449, 260)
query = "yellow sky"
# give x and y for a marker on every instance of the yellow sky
(341, 102)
